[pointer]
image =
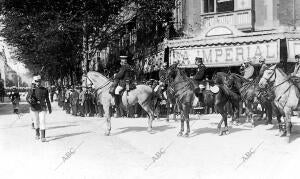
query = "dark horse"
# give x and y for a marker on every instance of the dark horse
(224, 97)
(252, 94)
(184, 94)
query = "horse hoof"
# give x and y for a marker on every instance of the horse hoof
(220, 132)
(227, 132)
(179, 134)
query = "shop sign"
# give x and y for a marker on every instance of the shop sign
(232, 55)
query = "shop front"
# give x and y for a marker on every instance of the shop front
(224, 47)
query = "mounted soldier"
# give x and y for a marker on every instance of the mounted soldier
(263, 66)
(200, 70)
(199, 76)
(122, 80)
(295, 76)
(248, 70)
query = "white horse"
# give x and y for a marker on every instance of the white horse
(286, 94)
(142, 94)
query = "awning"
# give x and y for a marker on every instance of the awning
(231, 50)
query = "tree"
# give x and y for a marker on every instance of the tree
(48, 35)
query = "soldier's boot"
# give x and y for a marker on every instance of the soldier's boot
(32, 125)
(17, 111)
(37, 133)
(43, 139)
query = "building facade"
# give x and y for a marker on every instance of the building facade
(228, 32)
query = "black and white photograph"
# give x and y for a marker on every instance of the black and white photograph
(149, 89)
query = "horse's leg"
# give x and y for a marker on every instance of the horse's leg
(181, 121)
(107, 118)
(220, 109)
(168, 111)
(186, 109)
(150, 114)
(268, 108)
(288, 123)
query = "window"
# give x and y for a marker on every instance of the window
(218, 6)
(225, 5)
(209, 6)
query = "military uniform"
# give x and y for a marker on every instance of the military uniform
(15, 99)
(125, 73)
(200, 72)
(38, 98)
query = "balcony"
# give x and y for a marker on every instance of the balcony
(241, 19)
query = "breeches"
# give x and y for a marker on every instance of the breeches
(39, 118)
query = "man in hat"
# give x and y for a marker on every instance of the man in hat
(200, 70)
(126, 73)
(38, 98)
(295, 76)
(296, 71)
(15, 99)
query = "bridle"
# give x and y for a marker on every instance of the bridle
(268, 79)
(100, 87)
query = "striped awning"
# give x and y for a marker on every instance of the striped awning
(245, 38)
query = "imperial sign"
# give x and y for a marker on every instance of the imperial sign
(231, 55)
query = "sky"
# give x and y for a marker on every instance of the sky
(17, 66)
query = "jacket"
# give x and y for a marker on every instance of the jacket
(200, 73)
(42, 96)
(126, 73)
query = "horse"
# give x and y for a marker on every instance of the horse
(142, 94)
(224, 97)
(184, 94)
(251, 95)
(286, 95)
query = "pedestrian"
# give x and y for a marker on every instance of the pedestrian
(82, 101)
(74, 101)
(52, 92)
(15, 99)
(38, 98)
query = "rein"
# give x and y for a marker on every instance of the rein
(273, 87)
(100, 87)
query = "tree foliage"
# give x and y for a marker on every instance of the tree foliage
(48, 34)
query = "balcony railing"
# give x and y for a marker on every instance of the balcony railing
(241, 19)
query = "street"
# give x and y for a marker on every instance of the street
(77, 148)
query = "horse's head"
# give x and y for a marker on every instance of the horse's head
(96, 79)
(268, 77)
